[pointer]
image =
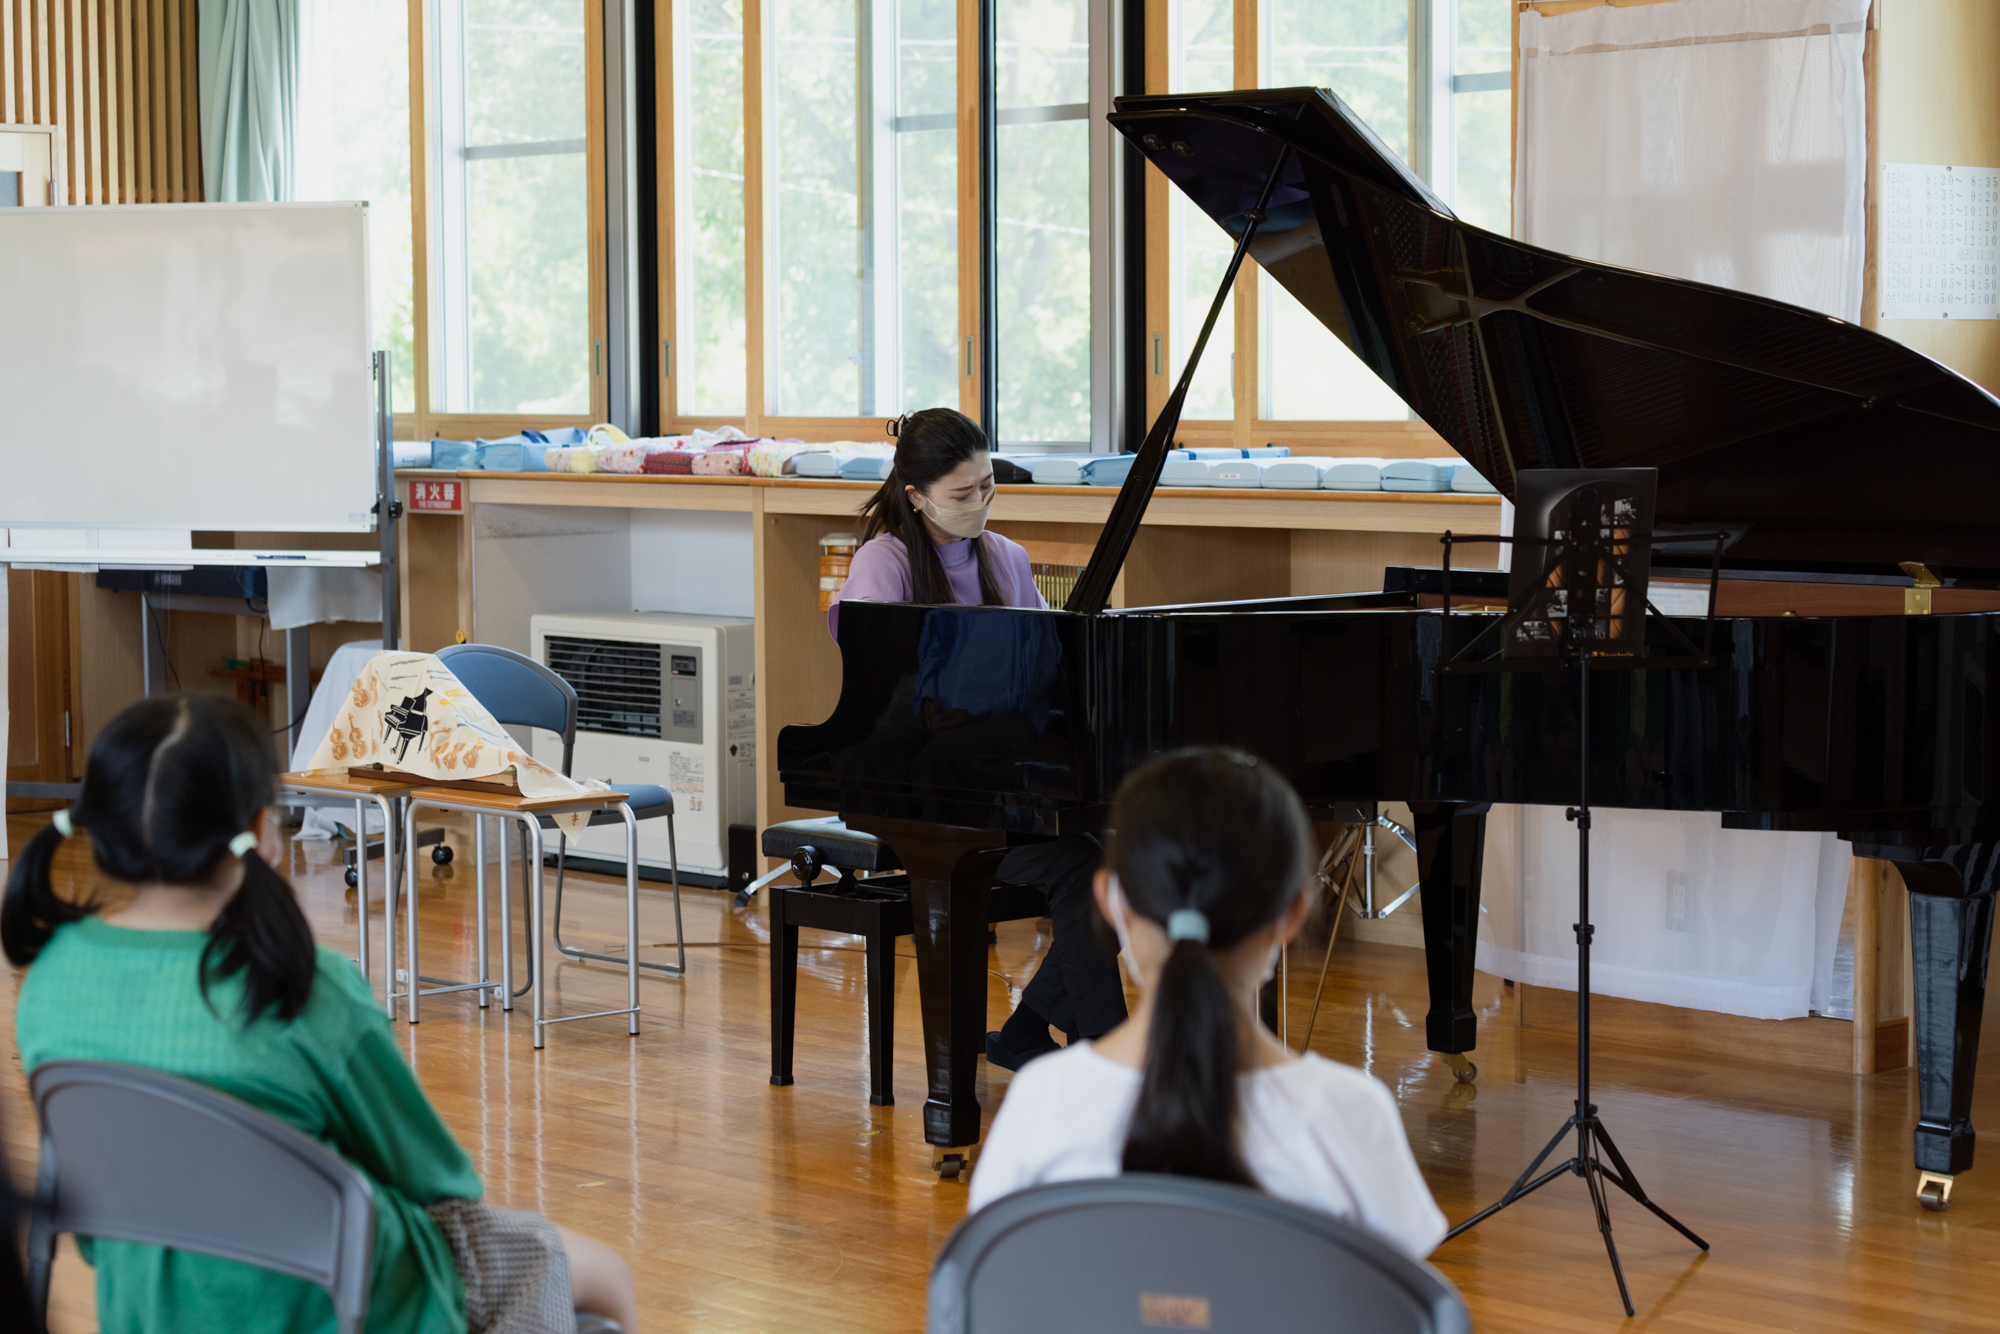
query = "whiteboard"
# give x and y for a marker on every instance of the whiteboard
(184, 366)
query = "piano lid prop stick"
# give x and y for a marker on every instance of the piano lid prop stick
(1093, 586)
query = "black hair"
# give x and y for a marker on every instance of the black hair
(1208, 828)
(170, 782)
(929, 444)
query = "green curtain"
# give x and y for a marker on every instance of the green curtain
(249, 98)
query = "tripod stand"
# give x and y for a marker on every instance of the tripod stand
(1591, 1135)
(1597, 610)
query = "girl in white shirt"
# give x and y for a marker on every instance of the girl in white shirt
(1205, 883)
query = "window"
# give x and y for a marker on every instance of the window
(861, 214)
(1041, 245)
(710, 370)
(1361, 50)
(1479, 151)
(1201, 43)
(511, 299)
(354, 143)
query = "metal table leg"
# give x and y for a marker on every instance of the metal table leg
(479, 908)
(412, 987)
(536, 962)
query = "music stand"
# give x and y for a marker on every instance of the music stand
(1584, 601)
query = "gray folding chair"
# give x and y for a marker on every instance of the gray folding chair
(1144, 1252)
(134, 1155)
(520, 692)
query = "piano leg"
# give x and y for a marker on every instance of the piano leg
(1951, 933)
(1451, 843)
(950, 871)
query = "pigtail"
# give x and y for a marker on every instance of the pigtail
(32, 910)
(263, 934)
(1184, 1121)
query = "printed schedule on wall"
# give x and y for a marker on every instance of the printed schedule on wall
(1940, 242)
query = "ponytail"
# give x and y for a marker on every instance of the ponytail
(1185, 1119)
(172, 786)
(1211, 836)
(262, 933)
(32, 910)
(929, 444)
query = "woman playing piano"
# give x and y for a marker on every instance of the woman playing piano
(927, 542)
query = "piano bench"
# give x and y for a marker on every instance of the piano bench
(877, 910)
(829, 843)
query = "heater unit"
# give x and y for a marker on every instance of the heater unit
(662, 698)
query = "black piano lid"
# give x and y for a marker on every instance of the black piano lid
(1816, 444)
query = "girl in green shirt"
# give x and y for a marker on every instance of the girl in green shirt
(212, 974)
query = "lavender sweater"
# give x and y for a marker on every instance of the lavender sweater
(880, 571)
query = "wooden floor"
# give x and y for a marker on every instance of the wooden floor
(745, 1207)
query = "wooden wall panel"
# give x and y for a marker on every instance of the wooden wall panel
(119, 77)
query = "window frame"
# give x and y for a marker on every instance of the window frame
(1248, 428)
(427, 214)
(975, 354)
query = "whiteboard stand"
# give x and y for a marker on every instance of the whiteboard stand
(388, 509)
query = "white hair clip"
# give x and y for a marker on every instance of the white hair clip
(62, 823)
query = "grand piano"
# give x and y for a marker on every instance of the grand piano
(1855, 481)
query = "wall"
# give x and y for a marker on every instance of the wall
(119, 77)
(1935, 101)
(693, 561)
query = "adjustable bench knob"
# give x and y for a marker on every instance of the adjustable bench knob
(806, 864)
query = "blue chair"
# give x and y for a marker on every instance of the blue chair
(520, 692)
(1143, 1252)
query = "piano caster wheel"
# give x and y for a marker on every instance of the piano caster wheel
(951, 1164)
(1934, 1191)
(1462, 1070)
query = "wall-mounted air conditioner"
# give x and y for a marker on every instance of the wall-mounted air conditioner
(662, 698)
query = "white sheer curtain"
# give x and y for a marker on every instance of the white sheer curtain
(1720, 140)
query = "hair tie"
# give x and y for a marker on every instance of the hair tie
(1187, 924)
(894, 426)
(62, 823)
(247, 842)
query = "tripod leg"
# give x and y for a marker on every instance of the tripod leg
(1590, 1173)
(1522, 1186)
(1519, 1192)
(1625, 1181)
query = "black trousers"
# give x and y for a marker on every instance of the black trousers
(1078, 987)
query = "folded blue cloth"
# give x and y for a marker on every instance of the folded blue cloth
(1268, 452)
(454, 454)
(1061, 469)
(866, 469)
(1295, 474)
(1353, 475)
(504, 455)
(1108, 469)
(1419, 474)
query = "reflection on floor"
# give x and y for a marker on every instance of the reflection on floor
(746, 1207)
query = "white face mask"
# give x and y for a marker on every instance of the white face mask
(1116, 894)
(967, 520)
